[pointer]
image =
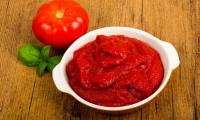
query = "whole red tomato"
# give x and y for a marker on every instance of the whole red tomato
(60, 22)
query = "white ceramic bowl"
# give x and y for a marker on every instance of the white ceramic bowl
(168, 54)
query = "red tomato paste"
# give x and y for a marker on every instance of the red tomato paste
(115, 71)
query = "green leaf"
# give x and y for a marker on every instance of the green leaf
(50, 67)
(29, 54)
(52, 62)
(55, 59)
(41, 68)
(45, 51)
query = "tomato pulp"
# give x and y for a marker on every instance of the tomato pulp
(115, 71)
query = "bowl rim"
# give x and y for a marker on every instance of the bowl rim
(62, 67)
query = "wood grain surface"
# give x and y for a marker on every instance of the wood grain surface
(24, 96)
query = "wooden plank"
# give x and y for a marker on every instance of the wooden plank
(152, 21)
(16, 81)
(196, 87)
(170, 20)
(196, 77)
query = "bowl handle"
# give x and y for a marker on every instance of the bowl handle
(60, 80)
(172, 54)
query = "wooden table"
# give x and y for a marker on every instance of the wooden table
(23, 95)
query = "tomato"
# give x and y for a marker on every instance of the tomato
(60, 22)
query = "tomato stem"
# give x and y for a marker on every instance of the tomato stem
(59, 15)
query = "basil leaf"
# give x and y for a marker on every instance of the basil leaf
(45, 51)
(29, 55)
(52, 62)
(50, 67)
(41, 68)
(55, 59)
